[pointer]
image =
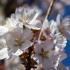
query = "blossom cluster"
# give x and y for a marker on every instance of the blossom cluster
(25, 38)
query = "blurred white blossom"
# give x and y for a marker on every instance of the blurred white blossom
(48, 51)
(18, 34)
(59, 7)
(67, 2)
(66, 26)
(13, 63)
(28, 17)
(18, 39)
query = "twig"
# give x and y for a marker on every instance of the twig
(48, 13)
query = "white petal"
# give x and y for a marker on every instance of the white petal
(56, 50)
(4, 53)
(63, 56)
(53, 26)
(58, 19)
(26, 45)
(18, 52)
(3, 30)
(45, 24)
(3, 43)
(11, 23)
(32, 21)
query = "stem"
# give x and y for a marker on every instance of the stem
(48, 13)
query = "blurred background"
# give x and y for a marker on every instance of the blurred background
(60, 6)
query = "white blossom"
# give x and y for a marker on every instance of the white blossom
(13, 63)
(66, 26)
(28, 17)
(67, 2)
(48, 51)
(18, 39)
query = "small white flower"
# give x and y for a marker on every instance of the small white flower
(45, 54)
(18, 39)
(29, 17)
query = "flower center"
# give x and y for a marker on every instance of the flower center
(44, 53)
(19, 42)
